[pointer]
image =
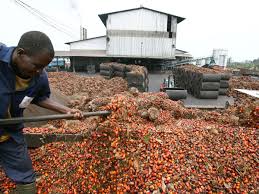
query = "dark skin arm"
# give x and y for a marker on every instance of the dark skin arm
(57, 107)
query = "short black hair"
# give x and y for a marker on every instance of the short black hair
(34, 42)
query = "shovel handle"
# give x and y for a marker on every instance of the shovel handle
(18, 120)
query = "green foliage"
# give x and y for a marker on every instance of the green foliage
(254, 64)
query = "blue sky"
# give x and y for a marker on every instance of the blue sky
(209, 24)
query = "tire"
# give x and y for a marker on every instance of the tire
(176, 94)
(105, 73)
(143, 84)
(105, 67)
(224, 84)
(119, 67)
(133, 78)
(225, 76)
(106, 77)
(210, 86)
(210, 77)
(223, 91)
(119, 74)
(208, 94)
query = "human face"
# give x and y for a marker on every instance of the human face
(31, 65)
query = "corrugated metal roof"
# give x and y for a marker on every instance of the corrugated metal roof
(86, 39)
(104, 16)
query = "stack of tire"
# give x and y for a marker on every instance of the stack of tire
(206, 86)
(224, 83)
(106, 70)
(136, 76)
(203, 85)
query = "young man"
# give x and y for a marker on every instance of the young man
(23, 80)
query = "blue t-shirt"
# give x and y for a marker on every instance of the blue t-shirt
(16, 101)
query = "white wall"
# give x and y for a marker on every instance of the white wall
(142, 19)
(92, 44)
(139, 44)
(140, 47)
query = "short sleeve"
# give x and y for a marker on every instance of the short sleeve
(44, 90)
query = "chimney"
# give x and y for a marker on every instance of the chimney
(83, 33)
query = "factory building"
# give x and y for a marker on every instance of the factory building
(134, 36)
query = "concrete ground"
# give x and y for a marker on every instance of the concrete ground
(221, 102)
(155, 80)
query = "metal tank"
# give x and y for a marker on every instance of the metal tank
(220, 56)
